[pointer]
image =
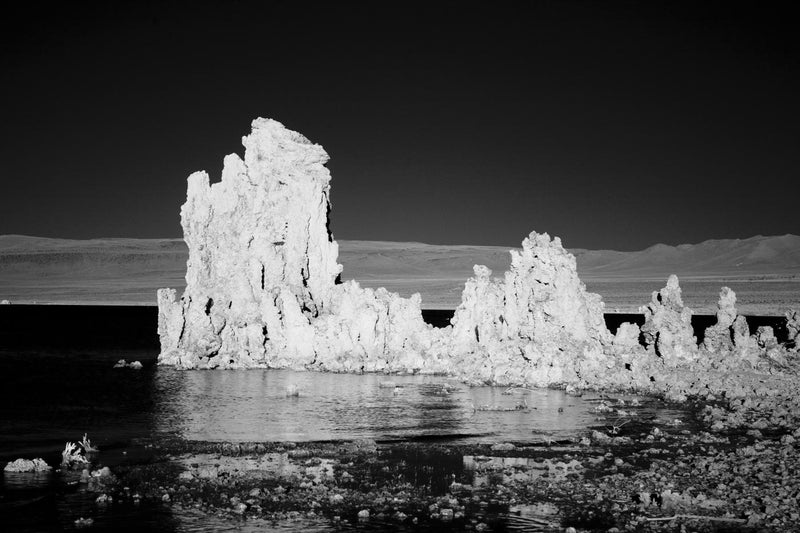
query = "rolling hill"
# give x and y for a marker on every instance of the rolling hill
(48, 270)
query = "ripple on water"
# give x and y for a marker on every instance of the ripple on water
(282, 405)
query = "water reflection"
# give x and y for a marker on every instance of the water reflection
(260, 405)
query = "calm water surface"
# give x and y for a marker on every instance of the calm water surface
(49, 397)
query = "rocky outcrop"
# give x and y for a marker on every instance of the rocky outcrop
(262, 273)
(667, 329)
(719, 337)
(793, 327)
(765, 337)
(262, 263)
(537, 325)
(627, 337)
(730, 336)
(368, 330)
(27, 465)
(263, 291)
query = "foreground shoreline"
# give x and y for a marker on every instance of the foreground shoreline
(706, 472)
(731, 464)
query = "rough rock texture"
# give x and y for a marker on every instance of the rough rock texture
(668, 325)
(793, 326)
(27, 465)
(370, 330)
(262, 262)
(744, 344)
(765, 337)
(627, 337)
(719, 336)
(262, 273)
(537, 325)
(262, 291)
(731, 334)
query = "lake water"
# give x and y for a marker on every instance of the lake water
(49, 396)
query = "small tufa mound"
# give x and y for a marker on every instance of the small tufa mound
(26, 465)
(135, 365)
(84, 522)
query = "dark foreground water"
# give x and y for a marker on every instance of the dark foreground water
(49, 396)
(57, 382)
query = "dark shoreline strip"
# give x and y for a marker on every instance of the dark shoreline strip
(134, 326)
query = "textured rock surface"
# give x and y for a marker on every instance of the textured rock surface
(627, 337)
(262, 262)
(537, 325)
(262, 273)
(765, 336)
(370, 330)
(719, 336)
(27, 465)
(262, 291)
(668, 325)
(793, 326)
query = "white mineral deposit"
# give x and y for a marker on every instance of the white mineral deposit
(263, 290)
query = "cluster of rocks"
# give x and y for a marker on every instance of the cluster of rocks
(263, 290)
(647, 475)
(27, 465)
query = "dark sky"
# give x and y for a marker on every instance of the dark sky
(610, 124)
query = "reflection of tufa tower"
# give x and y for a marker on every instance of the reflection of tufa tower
(260, 253)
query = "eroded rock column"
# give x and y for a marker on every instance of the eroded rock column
(262, 262)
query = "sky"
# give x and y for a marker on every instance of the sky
(611, 124)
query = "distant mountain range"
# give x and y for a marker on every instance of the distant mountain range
(129, 270)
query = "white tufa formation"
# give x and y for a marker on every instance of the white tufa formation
(537, 325)
(262, 291)
(793, 327)
(27, 465)
(262, 262)
(261, 280)
(731, 334)
(667, 328)
(719, 337)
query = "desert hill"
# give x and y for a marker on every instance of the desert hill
(129, 270)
